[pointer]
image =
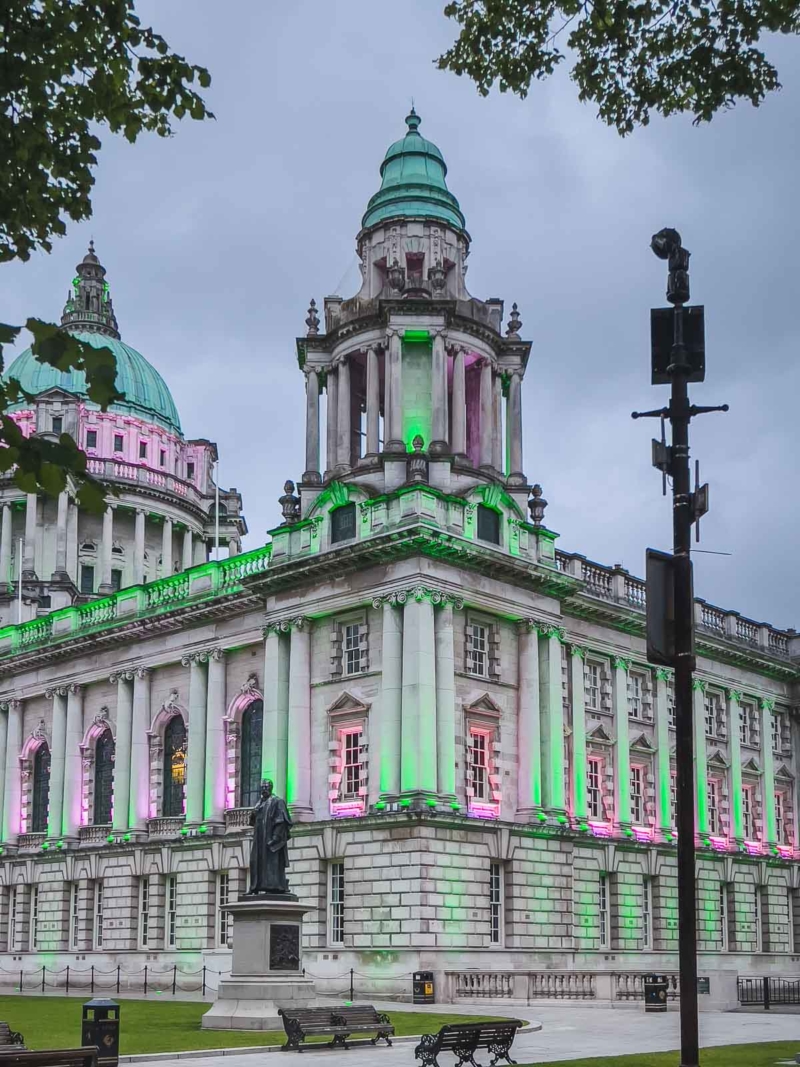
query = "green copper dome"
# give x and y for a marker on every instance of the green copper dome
(413, 183)
(146, 394)
(89, 316)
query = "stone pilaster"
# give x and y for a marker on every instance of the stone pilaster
(514, 424)
(768, 776)
(312, 473)
(439, 442)
(735, 742)
(298, 749)
(529, 741)
(578, 797)
(700, 756)
(622, 777)
(57, 756)
(373, 402)
(551, 705)
(487, 414)
(276, 705)
(331, 415)
(388, 729)
(445, 700)
(664, 820)
(29, 549)
(139, 801)
(343, 439)
(166, 549)
(214, 810)
(138, 548)
(71, 818)
(459, 442)
(196, 743)
(6, 537)
(418, 760)
(122, 748)
(105, 588)
(12, 791)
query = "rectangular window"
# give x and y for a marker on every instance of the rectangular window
(637, 796)
(636, 696)
(144, 912)
(594, 801)
(74, 916)
(647, 913)
(712, 796)
(748, 728)
(98, 914)
(605, 925)
(478, 650)
(791, 943)
(162, 459)
(592, 678)
(776, 732)
(780, 818)
(710, 714)
(488, 525)
(13, 915)
(758, 925)
(35, 917)
(723, 917)
(58, 425)
(478, 764)
(224, 918)
(116, 579)
(748, 822)
(354, 650)
(87, 578)
(671, 704)
(352, 766)
(495, 903)
(336, 904)
(119, 442)
(91, 438)
(673, 797)
(143, 450)
(190, 472)
(172, 907)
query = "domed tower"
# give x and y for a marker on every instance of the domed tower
(162, 517)
(417, 372)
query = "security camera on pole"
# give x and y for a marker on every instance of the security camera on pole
(677, 358)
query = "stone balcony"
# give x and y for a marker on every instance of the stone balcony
(165, 826)
(30, 842)
(237, 819)
(93, 835)
(119, 470)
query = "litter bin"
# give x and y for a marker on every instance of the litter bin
(423, 987)
(100, 1027)
(655, 992)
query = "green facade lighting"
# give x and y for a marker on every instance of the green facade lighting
(110, 839)
(380, 805)
(417, 335)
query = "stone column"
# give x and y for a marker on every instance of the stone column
(389, 730)
(700, 755)
(29, 551)
(122, 748)
(439, 390)
(343, 442)
(552, 719)
(214, 811)
(497, 424)
(487, 414)
(187, 549)
(196, 746)
(395, 441)
(4, 713)
(166, 549)
(529, 741)
(768, 777)
(5, 546)
(72, 543)
(622, 752)
(57, 754)
(445, 699)
(12, 792)
(60, 572)
(418, 761)
(73, 763)
(298, 770)
(373, 402)
(138, 549)
(312, 473)
(276, 707)
(664, 819)
(514, 424)
(105, 588)
(735, 743)
(200, 552)
(139, 800)
(332, 415)
(578, 694)
(459, 442)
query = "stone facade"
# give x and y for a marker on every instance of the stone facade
(478, 758)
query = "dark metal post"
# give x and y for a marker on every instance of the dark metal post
(145, 980)
(352, 995)
(67, 989)
(204, 981)
(174, 978)
(118, 979)
(43, 972)
(20, 980)
(767, 1004)
(91, 988)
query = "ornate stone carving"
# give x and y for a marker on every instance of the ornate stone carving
(284, 947)
(664, 674)
(121, 676)
(39, 734)
(101, 719)
(418, 462)
(578, 650)
(418, 592)
(250, 686)
(56, 691)
(768, 703)
(312, 321)
(290, 504)
(171, 703)
(285, 626)
(735, 696)
(698, 684)
(621, 664)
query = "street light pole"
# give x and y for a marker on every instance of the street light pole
(679, 363)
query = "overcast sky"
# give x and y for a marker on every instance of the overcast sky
(215, 240)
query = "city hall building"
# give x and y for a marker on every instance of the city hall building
(478, 758)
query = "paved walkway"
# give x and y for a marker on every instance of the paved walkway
(568, 1032)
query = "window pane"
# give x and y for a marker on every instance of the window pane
(41, 789)
(91, 438)
(103, 779)
(488, 524)
(250, 777)
(174, 766)
(87, 579)
(343, 523)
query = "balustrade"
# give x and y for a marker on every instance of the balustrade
(93, 835)
(99, 611)
(556, 985)
(30, 841)
(635, 592)
(747, 631)
(712, 618)
(165, 826)
(597, 579)
(237, 818)
(484, 984)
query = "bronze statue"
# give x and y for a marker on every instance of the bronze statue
(269, 856)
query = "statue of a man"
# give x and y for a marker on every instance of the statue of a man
(269, 856)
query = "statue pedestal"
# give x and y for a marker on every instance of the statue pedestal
(265, 972)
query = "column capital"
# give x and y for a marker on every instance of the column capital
(664, 674)
(767, 703)
(735, 695)
(438, 597)
(549, 629)
(56, 691)
(621, 664)
(142, 672)
(699, 684)
(121, 676)
(217, 654)
(578, 650)
(195, 657)
(285, 626)
(75, 687)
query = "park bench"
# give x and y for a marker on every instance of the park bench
(52, 1057)
(301, 1023)
(364, 1019)
(464, 1040)
(10, 1039)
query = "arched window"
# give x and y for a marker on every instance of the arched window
(250, 776)
(343, 523)
(103, 779)
(174, 766)
(41, 790)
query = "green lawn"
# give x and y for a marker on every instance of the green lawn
(164, 1025)
(725, 1056)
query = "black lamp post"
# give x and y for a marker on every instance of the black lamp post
(678, 357)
